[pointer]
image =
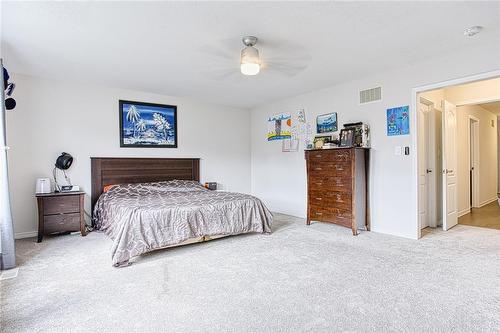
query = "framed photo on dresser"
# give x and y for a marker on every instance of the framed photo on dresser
(147, 125)
(346, 137)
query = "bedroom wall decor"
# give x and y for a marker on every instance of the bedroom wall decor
(279, 127)
(301, 116)
(290, 145)
(398, 121)
(326, 123)
(147, 125)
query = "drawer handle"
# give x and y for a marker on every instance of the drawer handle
(318, 168)
(319, 198)
(339, 168)
(319, 184)
(318, 155)
(319, 213)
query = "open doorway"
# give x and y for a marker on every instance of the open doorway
(458, 155)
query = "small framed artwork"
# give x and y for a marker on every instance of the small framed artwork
(320, 140)
(326, 123)
(398, 121)
(346, 137)
(147, 125)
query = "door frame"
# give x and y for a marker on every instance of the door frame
(413, 128)
(475, 174)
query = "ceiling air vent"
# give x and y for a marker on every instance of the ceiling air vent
(370, 95)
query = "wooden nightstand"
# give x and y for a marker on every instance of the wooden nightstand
(60, 212)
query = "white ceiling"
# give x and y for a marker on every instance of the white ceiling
(189, 48)
(493, 107)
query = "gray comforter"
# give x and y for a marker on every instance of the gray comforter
(143, 217)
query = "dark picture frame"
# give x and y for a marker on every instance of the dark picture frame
(147, 125)
(346, 137)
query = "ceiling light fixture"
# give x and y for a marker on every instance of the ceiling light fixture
(474, 30)
(250, 60)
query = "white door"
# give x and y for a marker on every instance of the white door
(423, 182)
(450, 214)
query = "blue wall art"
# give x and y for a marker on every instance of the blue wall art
(326, 123)
(398, 121)
(148, 125)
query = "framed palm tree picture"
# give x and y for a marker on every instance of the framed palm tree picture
(148, 125)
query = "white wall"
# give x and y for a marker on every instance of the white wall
(280, 178)
(52, 117)
(487, 156)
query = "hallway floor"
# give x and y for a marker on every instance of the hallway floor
(487, 217)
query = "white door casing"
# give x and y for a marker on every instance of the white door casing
(450, 212)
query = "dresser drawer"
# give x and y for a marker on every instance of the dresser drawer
(331, 199)
(61, 204)
(340, 169)
(336, 155)
(61, 223)
(330, 183)
(334, 215)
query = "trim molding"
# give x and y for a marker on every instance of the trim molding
(28, 234)
(484, 203)
(463, 212)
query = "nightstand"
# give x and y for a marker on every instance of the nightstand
(60, 212)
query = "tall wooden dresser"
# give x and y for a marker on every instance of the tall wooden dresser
(337, 187)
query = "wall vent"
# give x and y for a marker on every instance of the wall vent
(370, 95)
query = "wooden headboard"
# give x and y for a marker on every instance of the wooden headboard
(118, 170)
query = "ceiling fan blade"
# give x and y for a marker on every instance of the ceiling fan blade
(284, 68)
(221, 73)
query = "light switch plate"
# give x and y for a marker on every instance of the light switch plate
(397, 150)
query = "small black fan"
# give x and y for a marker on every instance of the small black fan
(63, 163)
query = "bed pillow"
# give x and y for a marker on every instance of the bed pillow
(107, 188)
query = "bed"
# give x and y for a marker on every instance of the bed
(146, 204)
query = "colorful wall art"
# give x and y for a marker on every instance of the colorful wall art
(326, 123)
(147, 125)
(279, 127)
(398, 121)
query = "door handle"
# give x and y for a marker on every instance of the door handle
(447, 170)
(428, 170)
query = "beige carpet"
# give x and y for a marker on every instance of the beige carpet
(316, 278)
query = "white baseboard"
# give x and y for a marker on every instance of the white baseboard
(9, 273)
(464, 212)
(28, 234)
(484, 203)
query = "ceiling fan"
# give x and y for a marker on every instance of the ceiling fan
(277, 58)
